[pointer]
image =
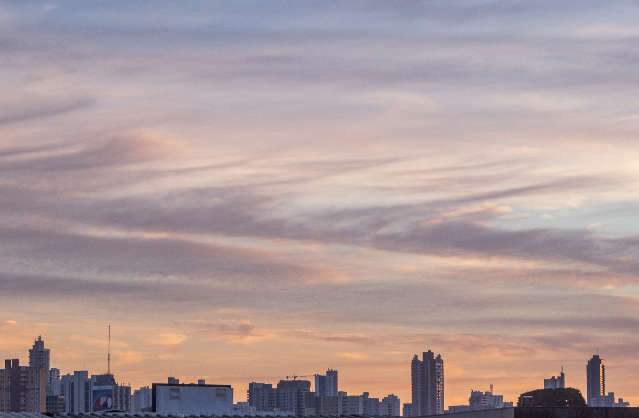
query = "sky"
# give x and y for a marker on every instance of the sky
(248, 190)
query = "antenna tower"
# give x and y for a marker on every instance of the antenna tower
(109, 352)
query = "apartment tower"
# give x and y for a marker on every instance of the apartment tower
(595, 379)
(427, 384)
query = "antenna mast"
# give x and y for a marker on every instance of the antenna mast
(109, 352)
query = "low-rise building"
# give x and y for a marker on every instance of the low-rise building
(390, 406)
(556, 382)
(608, 401)
(486, 400)
(192, 399)
(142, 399)
(108, 395)
(479, 400)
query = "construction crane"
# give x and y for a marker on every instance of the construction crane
(295, 376)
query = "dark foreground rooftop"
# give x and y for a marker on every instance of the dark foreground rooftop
(517, 412)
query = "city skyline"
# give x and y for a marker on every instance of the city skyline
(426, 375)
(249, 189)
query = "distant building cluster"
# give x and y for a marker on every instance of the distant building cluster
(40, 388)
(596, 386)
(294, 397)
(479, 400)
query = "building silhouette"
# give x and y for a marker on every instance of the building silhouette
(407, 410)
(595, 380)
(40, 358)
(22, 388)
(326, 385)
(291, 395)
(479, 400)
(54, 386)
(262, 396)
(556, 382)
(427, 385)
(76, 389)
(107, 394)
(390, 406)
(141, 399)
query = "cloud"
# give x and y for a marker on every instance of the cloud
(129, 357)
(170, 339)
(416, 228)
(441, 227)
(353, 355)
(459, 237)
(37, 287)
(160, 258)
(230, 330)
(11, 113)
(110, 153)
(20, 151)
(345, 338)
(297, 183)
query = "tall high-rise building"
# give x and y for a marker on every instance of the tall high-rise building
(55, 400)
(332, 387)
(22, 388)
(76, 389)
(320, 385)
(326, 385)
(427, 385)
(54, 386)
(261, 396)
(595, 379)
(40, 358)
(291, 395)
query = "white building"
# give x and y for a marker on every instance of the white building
(351, 405)
(556, 382)
(479, 400)
(608, 401)
(390, 406)
(485, 400)
(142, 401)
(54, 385)
(244, 409)
(76, 389)
(192, 399)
